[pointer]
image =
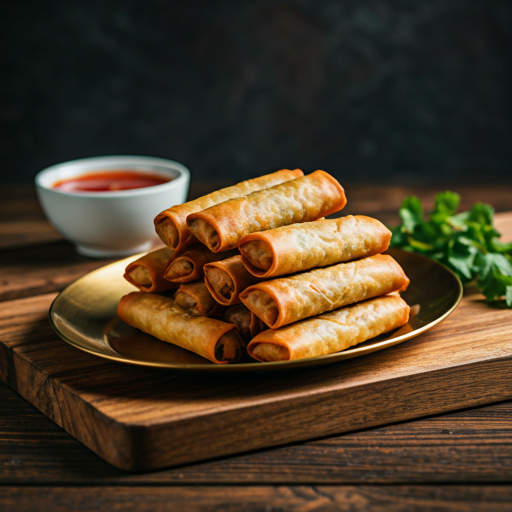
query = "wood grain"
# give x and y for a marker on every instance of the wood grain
(474, 445)
(139, 418)
(243, 498)
(469, 446)
(23, 223)
(57, 264)
(34, 259)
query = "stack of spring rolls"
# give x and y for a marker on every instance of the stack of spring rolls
(257, 269)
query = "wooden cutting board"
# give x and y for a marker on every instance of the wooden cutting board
(141, 418)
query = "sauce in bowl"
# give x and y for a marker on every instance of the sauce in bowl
(108, 181)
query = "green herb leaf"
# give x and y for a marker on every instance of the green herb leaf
(446, 204)
(411, 213)
(466, 242)
(481, 214)
(508, 296)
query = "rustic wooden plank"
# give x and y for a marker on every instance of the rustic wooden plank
(243, 498)
(36, 350)
(16, 233)
(473, 445)
(453, 455)
(21, 200)
(35, 260)
(42, 268)
(139, 418)
(22, 221)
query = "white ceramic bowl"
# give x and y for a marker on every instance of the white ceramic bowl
(108, 224)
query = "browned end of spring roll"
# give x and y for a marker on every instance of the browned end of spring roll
(221, 227)
(288, 299)
(227, 279)
(257, 325)
(161, 317)
(241, 317)
(196, 298)
(247, 323)
(171, 225)
(299, 247)
(147, 273)
(188, 265)
(331, 332)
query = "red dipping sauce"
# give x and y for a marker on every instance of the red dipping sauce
(107, 181)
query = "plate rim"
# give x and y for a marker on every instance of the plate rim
(350, 353)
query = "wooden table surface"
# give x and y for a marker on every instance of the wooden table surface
(454, 462)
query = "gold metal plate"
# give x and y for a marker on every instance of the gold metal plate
(84, 315)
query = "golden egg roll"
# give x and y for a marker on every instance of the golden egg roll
(226, 279)
(161, 317)
(222, 226)
(241, 317)
(257, 325)
(299, 247)
(147, 273)
(171, 225)
(247, 323)
(196, 298)
(286, 300)
(188, 265)
(331, 332)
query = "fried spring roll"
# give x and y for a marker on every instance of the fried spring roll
(147, 273)
(161, 317)
(227, 279)
(196, 298)
(286, 300)
(247, 323)
(222, 226)
(331, 332)
(171, 225)
(257, 325)
(299, 247)
(188, 266)
(241, 317)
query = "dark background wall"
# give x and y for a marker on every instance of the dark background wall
(371, 90)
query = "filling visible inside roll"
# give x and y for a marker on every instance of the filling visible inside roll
(204, 232)
(258, 300)
(180, 267)
(228, 347)
(258, 253)
(269, 352)
(221, 282)
(141, 276)
(168, 232)
(186, 301)
(240, 316)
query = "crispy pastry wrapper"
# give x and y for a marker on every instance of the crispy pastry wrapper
(247, 323)
(188, 265)
(221, 227)
(171, 225)
(288, 299)
(241, 317)
(147, 273)
(300, 247)
(197, 299)
(161, 317)
(331, 332)
(227, 279)
(257, 325)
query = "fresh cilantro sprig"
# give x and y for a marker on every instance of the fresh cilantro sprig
(465, 242)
